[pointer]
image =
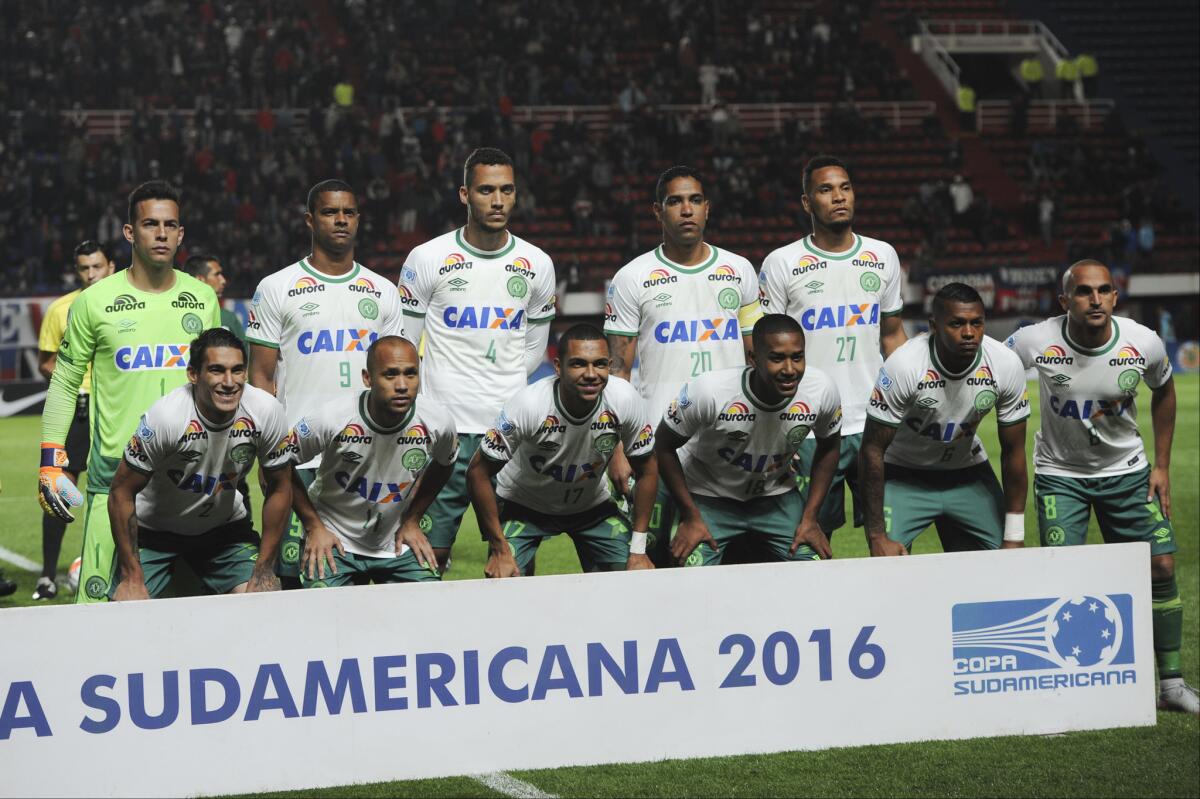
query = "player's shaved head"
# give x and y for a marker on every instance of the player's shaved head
(387, 344)
(773, 324)
(580, 332)
(1071, 277)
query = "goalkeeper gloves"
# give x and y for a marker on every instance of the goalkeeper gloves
(56, 493)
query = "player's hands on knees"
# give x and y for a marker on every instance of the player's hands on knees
(130, 589)
(1160, 489)
(501, 563)
(691, 534)
(319, 545)
(882, 546)
(638, 563)
(411, 535)
(262, 581)
(620, 472)
(809, 532)
(1012, 544)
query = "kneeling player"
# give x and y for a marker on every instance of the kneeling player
(549, 450)
(725, 449)
(929, 399)
(1089, 454)
(383, 462)
(175, 492)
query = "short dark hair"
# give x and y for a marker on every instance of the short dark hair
(151, 190)
(331, 185)
(484, 156)
(820, 162)
(89, 246)
(385, 340)
(213, 337)
(197, 265)
(773, 324)
(954, 292)
(679, 171)
(583, 331)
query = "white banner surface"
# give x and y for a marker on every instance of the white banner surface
(317, 688)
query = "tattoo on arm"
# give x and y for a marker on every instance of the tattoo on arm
(131, 530)
(620, 354)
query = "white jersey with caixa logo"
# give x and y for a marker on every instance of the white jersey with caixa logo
(688, 320)
(554, 462)
(740, 447)
(476, 308)
(194, 465)
(367, 474)
(1089, 418)
(839, 299)
(322, 327)
(936, 412)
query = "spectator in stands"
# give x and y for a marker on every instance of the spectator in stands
(1032, 74)
(1145, 242)
(962, 198)
(1045, 211)
(1089, 72)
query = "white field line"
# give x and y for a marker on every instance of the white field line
(20, 561)
(511, 786)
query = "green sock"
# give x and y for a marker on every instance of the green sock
(1166, 609)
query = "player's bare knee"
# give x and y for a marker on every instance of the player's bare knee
(239, 589)
(1162, 567)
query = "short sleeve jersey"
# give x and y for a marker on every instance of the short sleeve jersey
(1088, 414)
(322, 327)
(195, 465)
(839, 300)
(740, 447)
(937, 412)
(554, 462)
(368, 472)
(54, 327)
(688, 320)
(137, 343)
(477, 306)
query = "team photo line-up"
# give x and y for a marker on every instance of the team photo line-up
(377, 412)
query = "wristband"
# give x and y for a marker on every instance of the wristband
(637, 544)
(1014, 527)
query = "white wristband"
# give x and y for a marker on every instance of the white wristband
(1014, 527)
(637, 544)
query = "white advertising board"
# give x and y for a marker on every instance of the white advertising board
(316, 688)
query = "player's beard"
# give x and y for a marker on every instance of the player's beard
(838, 225)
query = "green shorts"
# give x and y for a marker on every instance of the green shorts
(601, 534)
(966, 504)
(833, 509)
(292, 545)
(446, 513)
(223, 558)
(1064, 507)
(361, 569)
(770, 522)
(99, 550)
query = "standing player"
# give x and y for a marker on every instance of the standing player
(174, 495)
(383, 461)
(313, 321)
(483, 298)
(134, 328)
(927, 405)
(1089, 454)
(92, 263)
(207, 269)
(725, 450)
(844, 289)
(548, 451)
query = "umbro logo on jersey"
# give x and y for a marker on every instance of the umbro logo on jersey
(189, 455)
(125, 302)
(737, 435)
(339, 340)
(310, 308)
(126, 326)
(458, 284)
(306, 285)
(663, 299)
(351, 457)
(927, 402)
(187, 300)
(1060, 379)
(814, 286)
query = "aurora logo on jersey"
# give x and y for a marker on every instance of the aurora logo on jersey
(609, 314)
(338, 340)
(982, 377)
(1089, 408)
(381, 493)
(455, 262)
(199, 483)
(567, 472)
(607, 420)
(552, 424)
(243, 427)
(146, 356)
(522, 267)
(724, 272)
(1054, 354)
(798, 412)
(487, 317)
(645, 438)
(407, 299)
(1128, 356)
(659, 277)
(194, 432)
(831, 316)
(736, 411)
(492, 442)
(364, 286)
(306, 285)
(125, 302)
(417, 435)
(932, 380)
(187, 300)
(689, 330)
(289, 443)
(353, 433)
(869, 260)
(877, 400)
(808, 263)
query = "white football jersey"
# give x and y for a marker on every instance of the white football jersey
(194, 465)
(367, 474)
(477, 307)
(322, 327)
(689, 320)
(839, 300)
(739, 447)
(937, 412)
(1089, 417)
(554, 462)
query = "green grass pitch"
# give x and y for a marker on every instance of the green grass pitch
(1154, 761)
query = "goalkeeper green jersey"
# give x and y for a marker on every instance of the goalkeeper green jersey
(137, 343)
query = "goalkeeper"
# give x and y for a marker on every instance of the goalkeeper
(134, 328)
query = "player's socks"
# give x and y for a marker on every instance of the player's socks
(1166, 611)
(53, 530)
